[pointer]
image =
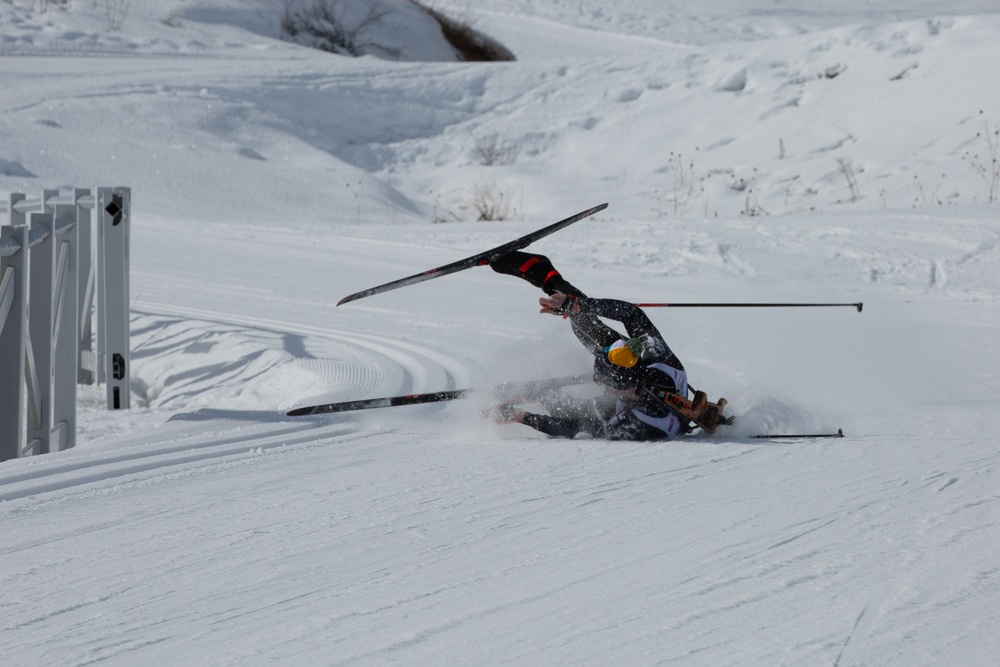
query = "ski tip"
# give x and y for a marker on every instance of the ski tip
(299, 412)
(354, 297)
(859, 306)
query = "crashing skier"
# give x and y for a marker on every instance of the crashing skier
(645, 384)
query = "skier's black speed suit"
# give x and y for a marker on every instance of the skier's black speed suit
(633, 412)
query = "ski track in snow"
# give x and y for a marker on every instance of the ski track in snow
(165, 454)
(167, 333)
(388, 365)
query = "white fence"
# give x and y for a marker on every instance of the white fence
(53, 268)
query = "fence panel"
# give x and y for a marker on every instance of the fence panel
(49, 283)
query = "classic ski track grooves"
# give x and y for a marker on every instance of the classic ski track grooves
(409, 356)
(167, 454)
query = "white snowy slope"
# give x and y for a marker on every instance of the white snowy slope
(750, 152)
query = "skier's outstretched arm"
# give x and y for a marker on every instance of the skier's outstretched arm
(560, 427)
(636, 322)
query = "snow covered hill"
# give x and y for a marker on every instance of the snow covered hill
(750, 152)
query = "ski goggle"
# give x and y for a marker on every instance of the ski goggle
(624, 354)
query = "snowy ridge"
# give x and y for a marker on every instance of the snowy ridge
(319, 357)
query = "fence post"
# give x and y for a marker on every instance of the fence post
(114, 209)
(65, 327)
(39, 357)
(86, 283)
(14, 267)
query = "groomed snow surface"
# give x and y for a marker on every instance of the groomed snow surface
(750, 152)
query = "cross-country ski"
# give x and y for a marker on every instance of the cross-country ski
(478, 259)
(506, 392)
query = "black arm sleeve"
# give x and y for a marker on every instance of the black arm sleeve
(635, 320)
(596, 336)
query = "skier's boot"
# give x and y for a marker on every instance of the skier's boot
(536, 269)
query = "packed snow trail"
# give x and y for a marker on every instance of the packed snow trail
(204, 526)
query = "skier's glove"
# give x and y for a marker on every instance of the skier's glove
(570, 306)
(505, 413)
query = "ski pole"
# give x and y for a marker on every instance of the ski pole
(766, 436)
(857, 306)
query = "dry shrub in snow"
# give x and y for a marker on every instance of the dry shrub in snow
(329, 25)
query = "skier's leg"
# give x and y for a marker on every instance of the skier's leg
(563, 405)
(536, 269)
(594, 334)
(562, 427)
